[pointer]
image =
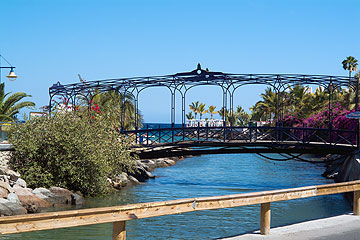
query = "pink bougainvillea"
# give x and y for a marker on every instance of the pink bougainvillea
(321, 120)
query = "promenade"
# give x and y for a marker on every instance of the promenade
(344, 227)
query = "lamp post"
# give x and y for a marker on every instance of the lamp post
(12, 76)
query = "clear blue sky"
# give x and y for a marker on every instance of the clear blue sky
(50, 41)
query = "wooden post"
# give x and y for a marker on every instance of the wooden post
(119, 232)
(356, 202)
(265, 219)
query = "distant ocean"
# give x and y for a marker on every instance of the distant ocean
(161, 125)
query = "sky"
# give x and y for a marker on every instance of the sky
(51, 41)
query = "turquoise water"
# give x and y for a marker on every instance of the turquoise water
(211, 175)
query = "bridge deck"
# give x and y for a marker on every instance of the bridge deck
(238, 146)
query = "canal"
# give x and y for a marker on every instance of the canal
(211, 175)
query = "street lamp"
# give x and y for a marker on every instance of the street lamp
(12, 76)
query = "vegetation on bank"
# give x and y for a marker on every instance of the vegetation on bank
(76, 147)
(70, 150)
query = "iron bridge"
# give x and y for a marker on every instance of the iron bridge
(201, 139)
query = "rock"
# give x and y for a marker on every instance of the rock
(349, 170)
(6, 185)
(133, 180)
(3, 193)
(12, 174)
(160, 163)
(12, 197)
(28, 199)
(77, 199)
(33, 209)
(21, 182)
(181, 158)
(149, 164)
(121, 180)
(123, 177)
(63, 195)
(141, 174)
(4, 178)
(170, 162)
(48, 196)
(8, 208)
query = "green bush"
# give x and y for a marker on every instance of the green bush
(69, 151)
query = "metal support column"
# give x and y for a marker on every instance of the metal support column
(122, 96)
(331, 91)
(172, 108)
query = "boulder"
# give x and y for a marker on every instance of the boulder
(8, 208)
(4, 178)
(6, 185)
(29, 200)
(77, 199)
(8, 172)
(12, 197)
(63, 195)
(133, 180)
(170, 162)
(161, 163)
(3, 193)
(21, 182)
(149, 164)
(48, 196)
(121, 180)
(141, 174)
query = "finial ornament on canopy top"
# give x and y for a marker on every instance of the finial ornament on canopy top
(198, 68)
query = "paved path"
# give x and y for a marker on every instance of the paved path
(343, 227)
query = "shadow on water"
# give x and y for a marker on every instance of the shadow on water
(211, 175)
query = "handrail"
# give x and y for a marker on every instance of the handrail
(252, 134)
(119, 214)
(237, 127)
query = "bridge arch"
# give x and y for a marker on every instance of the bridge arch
(183, 82)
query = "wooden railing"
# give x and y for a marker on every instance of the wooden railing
(120, 214)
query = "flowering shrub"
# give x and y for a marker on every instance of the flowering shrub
(321, 120)
(292, 121)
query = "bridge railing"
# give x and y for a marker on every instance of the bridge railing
(245, 134)
(118, 215)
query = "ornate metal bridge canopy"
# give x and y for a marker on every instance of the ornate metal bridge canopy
(182, 82)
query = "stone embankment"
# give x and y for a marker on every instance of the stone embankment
(343, 168)
(17, 198)
(142, 171)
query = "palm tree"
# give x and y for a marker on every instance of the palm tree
(242, 117)
(299, 101)
(202, 109)
(189, 116)
(319, 100)
(268, 106)
(350, 63)
(11, 105)
(212, 111)
(195, 107)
